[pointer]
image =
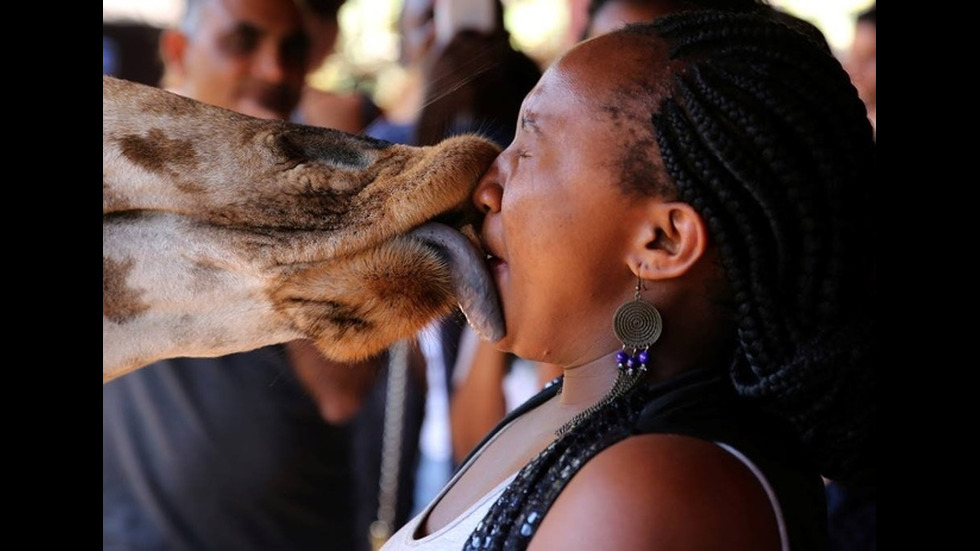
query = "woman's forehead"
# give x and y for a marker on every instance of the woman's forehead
(606, 75)
(561, 98)
(613, 62)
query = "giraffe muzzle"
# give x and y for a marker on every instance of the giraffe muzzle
(473, 285)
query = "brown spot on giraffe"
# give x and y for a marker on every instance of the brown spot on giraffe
(120, 303)
(156, 152)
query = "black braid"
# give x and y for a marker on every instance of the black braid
(760, 130)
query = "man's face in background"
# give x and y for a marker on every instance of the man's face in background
(249, 56)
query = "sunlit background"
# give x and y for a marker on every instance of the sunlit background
(367, 50)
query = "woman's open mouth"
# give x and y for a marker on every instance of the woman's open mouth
(493, 262)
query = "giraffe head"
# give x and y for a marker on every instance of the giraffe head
(222, 233)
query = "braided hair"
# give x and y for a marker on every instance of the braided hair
(761, 131)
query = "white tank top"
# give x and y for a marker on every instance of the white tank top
(453, 535)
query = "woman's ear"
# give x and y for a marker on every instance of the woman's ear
(173, 47)
(673, 238)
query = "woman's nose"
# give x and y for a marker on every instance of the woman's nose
(488, 192)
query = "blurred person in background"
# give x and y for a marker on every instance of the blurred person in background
(608, 15)
(852, 511)
(349, 111)
(862, 60)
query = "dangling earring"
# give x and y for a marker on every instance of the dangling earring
(637, 325)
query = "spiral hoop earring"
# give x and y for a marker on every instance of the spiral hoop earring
(638, 326)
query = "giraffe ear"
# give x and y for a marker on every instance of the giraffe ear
(671, 239)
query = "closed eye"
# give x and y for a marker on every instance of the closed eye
(528, 124)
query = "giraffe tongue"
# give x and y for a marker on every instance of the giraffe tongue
(474, 287)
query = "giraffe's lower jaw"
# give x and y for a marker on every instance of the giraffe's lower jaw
(472, 283)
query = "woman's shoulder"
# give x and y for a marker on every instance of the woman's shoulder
(668, 490)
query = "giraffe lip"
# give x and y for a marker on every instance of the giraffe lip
(456, 218)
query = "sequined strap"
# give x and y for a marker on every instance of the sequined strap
(516, 515)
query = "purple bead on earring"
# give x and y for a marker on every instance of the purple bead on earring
(642, 359)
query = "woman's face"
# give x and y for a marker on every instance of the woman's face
(557, 222)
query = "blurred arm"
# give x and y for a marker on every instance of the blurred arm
(477, 403)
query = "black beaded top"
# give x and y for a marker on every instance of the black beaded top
(698, 403)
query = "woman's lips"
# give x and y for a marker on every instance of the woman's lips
(495, 263)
